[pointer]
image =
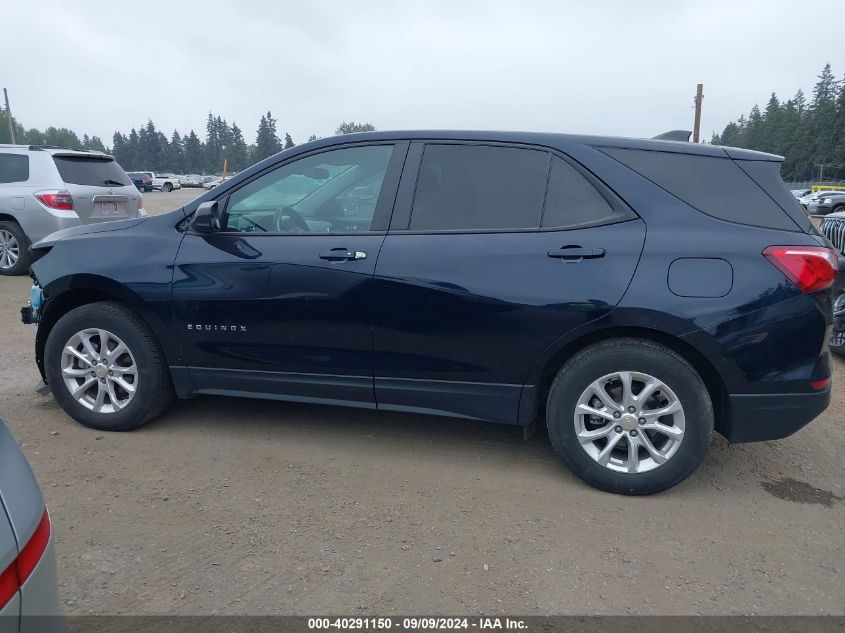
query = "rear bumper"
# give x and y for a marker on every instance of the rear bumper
(759, 417)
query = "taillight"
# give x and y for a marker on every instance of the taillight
(20, 569)
(60, 200)
(811, 268)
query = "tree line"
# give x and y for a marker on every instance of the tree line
(810, 135)
(148, 148)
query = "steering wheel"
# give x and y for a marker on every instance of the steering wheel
(298, 221)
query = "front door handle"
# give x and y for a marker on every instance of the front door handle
(342, 255)
(575, 253)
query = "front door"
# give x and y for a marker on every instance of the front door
(278, 303)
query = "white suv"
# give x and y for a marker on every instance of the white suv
(45, 189)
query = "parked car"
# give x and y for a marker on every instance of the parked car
(831, 203)
(46, 189)
(161, 182)
(630, 295)
(800, 193)
(833, 228)
(213, 182)
(811, 201)
(142, 180)
(191, 180)
(27, 559)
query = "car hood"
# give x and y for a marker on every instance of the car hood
(87, 229)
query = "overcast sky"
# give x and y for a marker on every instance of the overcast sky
(593, 66)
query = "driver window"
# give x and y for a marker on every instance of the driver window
(334, 191)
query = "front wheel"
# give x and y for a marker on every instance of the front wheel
(105, 368)
(167, 187)
(630, 416)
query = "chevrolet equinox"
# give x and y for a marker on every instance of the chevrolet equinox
(633, 295)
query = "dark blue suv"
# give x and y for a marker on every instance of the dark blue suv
(632, 295)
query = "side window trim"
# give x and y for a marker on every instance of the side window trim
(384, 205)
(401, 220)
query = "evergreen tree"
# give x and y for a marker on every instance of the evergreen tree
(193, 154)
(288, 141)
(175, 154)
(266, 142)
(351, 128)
(806, 134)
(238, 153)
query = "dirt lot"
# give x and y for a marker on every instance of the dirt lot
(244, 507)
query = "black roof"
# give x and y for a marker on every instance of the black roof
(556, 140)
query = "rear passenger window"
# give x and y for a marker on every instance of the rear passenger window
(571, 199)
(14, 168)
(478, 187)
(716, 186)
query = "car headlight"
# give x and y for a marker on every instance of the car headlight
(828, 200)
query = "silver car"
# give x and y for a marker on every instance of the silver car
(27, 558)
(811, 201)
(45, 189)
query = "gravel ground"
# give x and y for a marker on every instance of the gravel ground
(249, 507)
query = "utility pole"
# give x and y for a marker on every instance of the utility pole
(699, 97)
(9, 114)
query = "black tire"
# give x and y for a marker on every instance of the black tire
(21, 267)
(643, 356)
(155, 390)
(167, 187)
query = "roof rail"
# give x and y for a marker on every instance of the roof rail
(71, 149)
(674, 135)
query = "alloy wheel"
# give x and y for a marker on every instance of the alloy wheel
(629, 422)
(9, 250)
(99, 370)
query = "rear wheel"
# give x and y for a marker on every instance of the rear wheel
(630, 416)
(105, 368)
(167, 187)
(14, 249)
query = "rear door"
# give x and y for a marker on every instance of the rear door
(100, 189)
(494, 252)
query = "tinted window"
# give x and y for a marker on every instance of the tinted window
(14, 168)
(767, 174)
(97, 172)
(573, 200)
(475, 187)
(335, 191)
(713, 185)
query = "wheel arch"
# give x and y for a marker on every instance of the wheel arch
(546, 371)
(66, 294)
(6, 217)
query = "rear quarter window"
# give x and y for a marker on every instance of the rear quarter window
(95, 172)
(713, 185)
(14, 168)
(571, 200)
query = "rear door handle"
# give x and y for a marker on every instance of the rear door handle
(576, 253)
(342, 255)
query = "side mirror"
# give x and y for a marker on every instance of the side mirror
(207, 217)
